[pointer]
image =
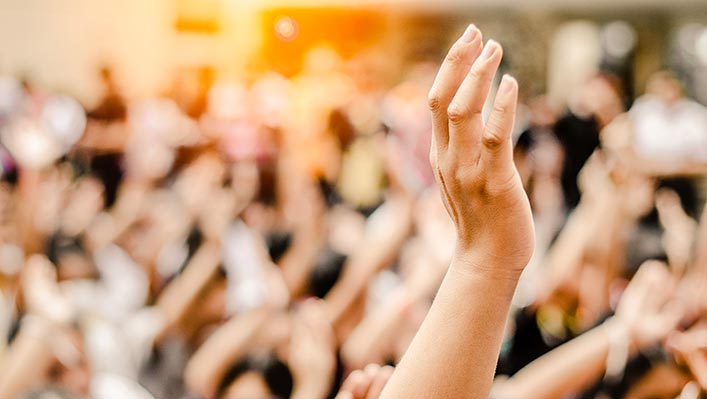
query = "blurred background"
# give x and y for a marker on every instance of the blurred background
(232, 198)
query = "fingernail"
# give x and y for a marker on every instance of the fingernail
(489, 49)
(506, 84)
(469, 34)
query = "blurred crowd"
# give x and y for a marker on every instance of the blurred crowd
(262, 239)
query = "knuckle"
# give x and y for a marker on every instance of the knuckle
(476, 72)
(501, 109)
(456, 114)
(434, 100)
(492, 141)
(456, 55)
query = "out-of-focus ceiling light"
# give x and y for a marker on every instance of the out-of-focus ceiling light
(286, 29)
(619, 39)
(687, 38)
(701, 46)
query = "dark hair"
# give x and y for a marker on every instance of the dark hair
(267, 184)
(278, 243)
(108, 169)
(276, 374)
(329, 192)
(194, 240)
(342, 128)
(59, 244)
(326, 272)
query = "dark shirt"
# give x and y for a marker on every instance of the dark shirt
(579, 138)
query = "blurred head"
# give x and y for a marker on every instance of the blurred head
(666, 86)
(601, 96)
(257, 377)
(148, 160)
(250, 384)
(542, 112)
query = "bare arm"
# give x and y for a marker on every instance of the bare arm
(454, 353)
(569, 368)
(371, 341)
(643, 317)
(231, 341)
(186, 287)
(26, 363)
(386, 232)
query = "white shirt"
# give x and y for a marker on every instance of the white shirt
(664, 132)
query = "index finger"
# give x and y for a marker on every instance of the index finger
(450, 76)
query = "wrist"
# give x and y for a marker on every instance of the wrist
(619, 348)
(636, 340)
(480, 263)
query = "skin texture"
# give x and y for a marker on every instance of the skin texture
(484, 196)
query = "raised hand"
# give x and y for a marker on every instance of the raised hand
(679, 229)
(690, 347)
(647, 307)
(473, 158)
(312, 355)
(483, 194)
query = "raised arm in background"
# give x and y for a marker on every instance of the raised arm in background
(454, 353)
(645, 315)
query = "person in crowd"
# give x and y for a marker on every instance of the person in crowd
(592, 107)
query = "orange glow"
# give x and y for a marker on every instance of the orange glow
(298, 30)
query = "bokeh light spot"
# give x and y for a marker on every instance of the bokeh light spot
(619, 39)
(286, 29)
(701, 47)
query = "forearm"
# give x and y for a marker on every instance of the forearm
(566, 369)
(296, 265)
(181, 293)
(220, 350)
(388, 228)
(455, 351)
(368, 341)
(27, 361)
